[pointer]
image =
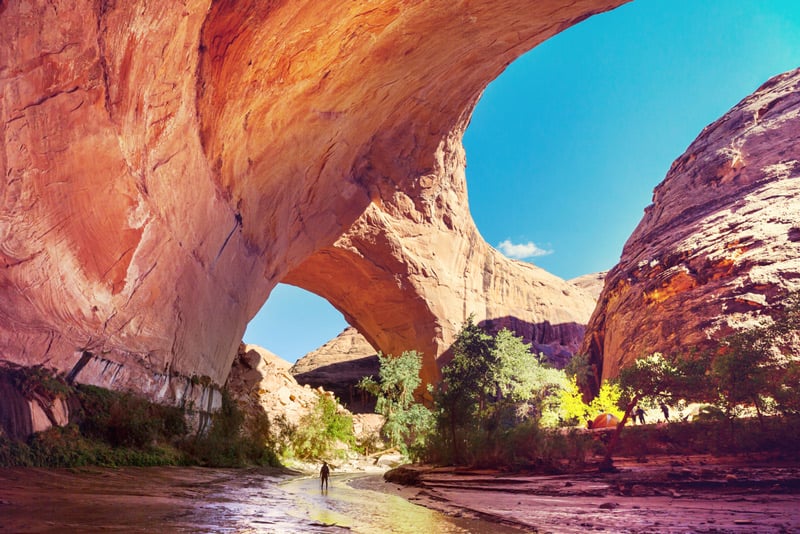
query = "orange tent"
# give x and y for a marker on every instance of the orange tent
(605, 420)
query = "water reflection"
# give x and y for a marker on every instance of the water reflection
(209, 500)
(363, 510)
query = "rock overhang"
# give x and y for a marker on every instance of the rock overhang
(166, 166)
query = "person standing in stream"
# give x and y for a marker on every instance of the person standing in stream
(324, 472)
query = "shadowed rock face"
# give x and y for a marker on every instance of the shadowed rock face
(338, 366)
(720, 244)
(167, 164)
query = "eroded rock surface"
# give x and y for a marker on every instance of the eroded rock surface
(338, 366)
(720, 243)
(166, 164)
(262, 383)
(591, 283)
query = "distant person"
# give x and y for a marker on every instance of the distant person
(323, 476)
(665, 411)
(639, 414)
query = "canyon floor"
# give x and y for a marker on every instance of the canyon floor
(205, 500)
(667, 494)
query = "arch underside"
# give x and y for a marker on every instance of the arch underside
(166, 167)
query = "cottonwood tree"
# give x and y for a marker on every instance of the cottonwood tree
(465, 385)
(759, 366)
(648, 378)
(491, 384)
(407, 421)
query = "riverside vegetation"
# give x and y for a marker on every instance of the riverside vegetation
(497, 405)
(111, 428)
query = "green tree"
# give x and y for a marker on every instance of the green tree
(407, 422)
(758, 366)
(786, 378)
(649, 378)
(739, 371)
(465, 384)
(787, 390)
(320, 430)
(492, 384)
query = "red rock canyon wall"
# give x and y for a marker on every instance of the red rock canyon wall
(720, 244)
(165, 164)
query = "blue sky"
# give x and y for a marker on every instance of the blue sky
(565, 147)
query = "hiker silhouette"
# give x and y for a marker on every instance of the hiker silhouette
(639, 414)
(323, 476)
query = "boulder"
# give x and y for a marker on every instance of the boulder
(269, 387)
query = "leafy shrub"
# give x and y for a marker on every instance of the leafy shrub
(14, 453)
(37, 380)
(321, 430)
(67, 447)
(127, 420)
(232, 441)
(114, 428)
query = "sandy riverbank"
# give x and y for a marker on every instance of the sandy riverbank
(665, 494)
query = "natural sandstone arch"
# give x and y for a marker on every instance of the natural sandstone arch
(166, 164)
(413, 267)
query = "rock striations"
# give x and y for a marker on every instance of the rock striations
(166, 164)
(338, 366)
(720, 243)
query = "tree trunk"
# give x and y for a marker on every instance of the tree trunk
(608, 463)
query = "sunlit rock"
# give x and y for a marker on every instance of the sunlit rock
(591, 283)
(719, 245)
(167, 164)
(261, 382)
(338, 366)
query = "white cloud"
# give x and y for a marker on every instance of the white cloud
(520, 251)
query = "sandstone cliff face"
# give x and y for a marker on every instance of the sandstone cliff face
(719, 245)
(338, 366)
(261, 382)
(166, 165)
(591, 283)
(407, 284)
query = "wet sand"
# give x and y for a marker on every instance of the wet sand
(667, 494)
(664, 495)
(198, 500)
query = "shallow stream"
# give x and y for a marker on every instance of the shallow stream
(177, 499)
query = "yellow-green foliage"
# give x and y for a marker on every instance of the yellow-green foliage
(570, 410)
(321, 431)
(607, 401)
